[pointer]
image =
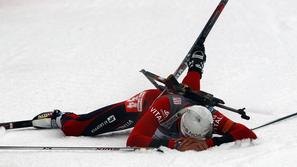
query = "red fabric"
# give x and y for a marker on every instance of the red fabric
(237, 130)
(72, 127)
(240, 132)
(146, 126)
(141, 101)
(209, 143)
(141, 135)
(223, 125)
(171, 144)
(219, 120)
(192, 79)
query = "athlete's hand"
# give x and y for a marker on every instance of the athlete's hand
(187, 143)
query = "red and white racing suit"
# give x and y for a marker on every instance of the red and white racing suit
(154, 129)
(148, 115)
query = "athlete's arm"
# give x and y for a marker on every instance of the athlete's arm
(229, 130)
(142, 134)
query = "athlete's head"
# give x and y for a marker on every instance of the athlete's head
(196, 122)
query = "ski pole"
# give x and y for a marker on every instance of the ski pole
(277, 120)
(121, 149)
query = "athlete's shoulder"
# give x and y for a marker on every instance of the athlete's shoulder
(160, 109)
(152, 91)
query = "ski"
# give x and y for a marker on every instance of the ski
(27, 123)
(202, 37)
(58, 148)
(17, 124)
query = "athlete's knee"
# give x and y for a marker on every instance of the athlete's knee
(71, 126)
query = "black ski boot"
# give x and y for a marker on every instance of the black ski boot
(196, 60)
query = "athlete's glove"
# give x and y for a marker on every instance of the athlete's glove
(196, 60)
(187, 143)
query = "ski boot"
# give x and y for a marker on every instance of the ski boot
(196, 60)
(48, 120)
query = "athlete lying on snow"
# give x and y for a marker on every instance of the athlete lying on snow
(169, 120)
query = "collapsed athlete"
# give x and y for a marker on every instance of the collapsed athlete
(169, 120)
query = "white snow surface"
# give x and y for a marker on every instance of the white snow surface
(80, 55)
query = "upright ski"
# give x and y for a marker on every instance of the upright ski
(275, 121)
(202, 37)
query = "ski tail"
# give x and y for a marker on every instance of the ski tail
(17, 124)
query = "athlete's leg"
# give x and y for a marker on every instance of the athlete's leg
(107, 119)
